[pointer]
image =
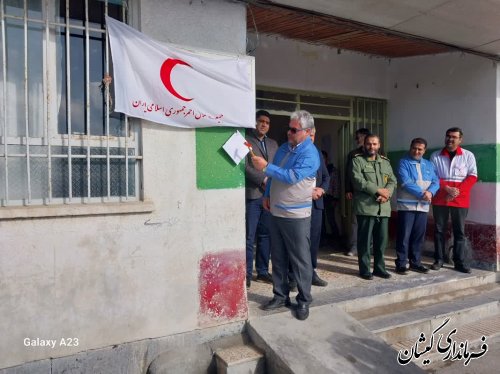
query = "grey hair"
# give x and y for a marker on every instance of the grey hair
(305, 118)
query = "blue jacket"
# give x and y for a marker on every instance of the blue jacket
(411, 188)
(292, 177)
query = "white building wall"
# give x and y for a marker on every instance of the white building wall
(111, 279)
(424, 93)
(497, 131)
(291, 64)
(429, 94)
(498, 104)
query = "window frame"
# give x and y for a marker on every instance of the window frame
(130, 141)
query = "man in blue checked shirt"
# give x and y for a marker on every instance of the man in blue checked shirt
(288, 195)
(417, 184)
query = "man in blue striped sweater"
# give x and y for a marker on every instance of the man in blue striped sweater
(288, 195)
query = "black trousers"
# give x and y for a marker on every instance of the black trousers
(458, 215)
(316, 221)
(291, 248)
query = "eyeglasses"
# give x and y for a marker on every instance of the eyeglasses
(293, 130)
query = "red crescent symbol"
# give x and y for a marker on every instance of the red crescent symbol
(166, 71)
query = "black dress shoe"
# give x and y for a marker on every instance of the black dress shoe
(382, 274)
(249, 282)
(462, 269)
(419, 268)
(276, 303)
(368, 276)
(265, 278)
(317, 281)
(302, 312)
(437, 266)
(401, 270)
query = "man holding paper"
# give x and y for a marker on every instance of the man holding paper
(289, 190)
(257, 218)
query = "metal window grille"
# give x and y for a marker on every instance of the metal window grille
(358, 112)
(321, 106)
(370, 114)
(60, 140)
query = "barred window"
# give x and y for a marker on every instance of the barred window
(60, 140)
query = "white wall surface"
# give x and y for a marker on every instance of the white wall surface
(426, 94)
(498, 105)
(112, 279)
(430, 94)
(291, 64)
(483, 203)
(213, 24)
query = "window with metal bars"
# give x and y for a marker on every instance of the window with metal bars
(60, 140)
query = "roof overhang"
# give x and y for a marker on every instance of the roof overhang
(387, 28)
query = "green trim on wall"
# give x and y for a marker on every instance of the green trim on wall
(214, 168)
(487, 160)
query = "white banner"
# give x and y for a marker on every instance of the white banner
(178, 87)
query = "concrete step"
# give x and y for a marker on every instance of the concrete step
(332, 341)
(405, 321)
(422, 287)
(463, 310)
(240, 359)
(415, 303)
(329, 341)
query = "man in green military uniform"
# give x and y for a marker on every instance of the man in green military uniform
(374, 182)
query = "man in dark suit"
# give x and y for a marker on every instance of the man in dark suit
(322, 183)
(257, 218)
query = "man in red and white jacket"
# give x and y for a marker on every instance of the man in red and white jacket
(457, 172)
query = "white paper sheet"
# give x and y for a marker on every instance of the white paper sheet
(236, 148)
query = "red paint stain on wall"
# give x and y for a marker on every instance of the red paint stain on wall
(483, 239)
(222, 286)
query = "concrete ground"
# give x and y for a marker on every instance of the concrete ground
(344, 284)
(341, 272)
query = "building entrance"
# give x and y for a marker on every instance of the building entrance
(336, 119)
